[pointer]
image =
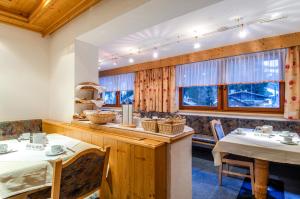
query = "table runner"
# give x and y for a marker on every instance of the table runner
(27, 170)
(259, 146)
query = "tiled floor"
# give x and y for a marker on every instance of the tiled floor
(205, 181)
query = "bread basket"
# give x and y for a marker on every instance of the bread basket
(150, 125)
(102, 117)
(171, 126)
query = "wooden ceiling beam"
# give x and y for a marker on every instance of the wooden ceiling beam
(20, 23)
(13, 16)
(41, 9)
(68, 16)
(44, 16)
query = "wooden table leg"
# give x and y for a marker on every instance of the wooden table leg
(261, 170)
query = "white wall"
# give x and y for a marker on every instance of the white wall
(62, 56)
(23, 74)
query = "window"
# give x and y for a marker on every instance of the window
(117, 98)
(239, 83)
(199, 96)
(264, 95)
(110, 98)
(259, 97)
(126, 97)
(119, 89)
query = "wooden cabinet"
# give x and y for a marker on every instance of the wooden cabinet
(140, 168)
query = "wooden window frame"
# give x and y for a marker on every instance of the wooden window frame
(256, 109)
(184, 107)
(223, 103)
(117, 100)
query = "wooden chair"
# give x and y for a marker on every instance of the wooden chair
(231, 159)
(78, 177)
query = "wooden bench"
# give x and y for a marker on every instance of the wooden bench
(204, 140)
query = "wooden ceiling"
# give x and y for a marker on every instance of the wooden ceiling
(44, 16)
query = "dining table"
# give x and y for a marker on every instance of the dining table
(25, 169)
(263, 148)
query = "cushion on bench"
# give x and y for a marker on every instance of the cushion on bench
(205, 139)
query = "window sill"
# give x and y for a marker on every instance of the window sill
(111, 108)
(277, 117)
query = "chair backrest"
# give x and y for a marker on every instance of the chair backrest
(81, 175)
(217, 130)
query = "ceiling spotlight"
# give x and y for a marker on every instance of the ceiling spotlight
(197, 45)
(155, 53)
(243, 33)
(275, 15)
(115, 63)
(99, 67)
(131, 60)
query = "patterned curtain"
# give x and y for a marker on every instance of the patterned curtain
(292, 84)
(155, 90)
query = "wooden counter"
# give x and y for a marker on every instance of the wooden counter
(143, 165)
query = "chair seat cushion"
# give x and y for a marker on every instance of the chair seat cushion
(203, 138)
(238, 157)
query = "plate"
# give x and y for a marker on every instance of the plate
(50, 153)
(8, 151)
(289, 143)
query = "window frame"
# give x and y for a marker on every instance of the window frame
(117, 104)
(185, 107)
(223, 103)
(118, 99)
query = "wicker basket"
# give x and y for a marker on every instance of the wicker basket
(179, 120)
(150, 125)
(170, 128)
(101, 118)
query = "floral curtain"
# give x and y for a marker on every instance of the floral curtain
(155, 90)
(292, 84)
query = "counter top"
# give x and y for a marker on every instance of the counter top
(134, 132)
(136, 135)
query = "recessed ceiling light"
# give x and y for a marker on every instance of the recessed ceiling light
(131, 60)
(99, 67)
(155, 55)
(197, 45)
(243, 33)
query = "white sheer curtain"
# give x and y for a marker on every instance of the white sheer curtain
(123, 82)
(199, 73)
(249, 68)
(255, 67)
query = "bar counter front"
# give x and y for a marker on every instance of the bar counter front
(142, 164)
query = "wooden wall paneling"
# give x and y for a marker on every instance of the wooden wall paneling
(97, 140)
(49, 128)
(124, 161)
(269, 43)
(113, 165)
(137, 171)
(143, 171)
(161, 172)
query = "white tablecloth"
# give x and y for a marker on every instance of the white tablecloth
(26, 170)
(259, 146)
